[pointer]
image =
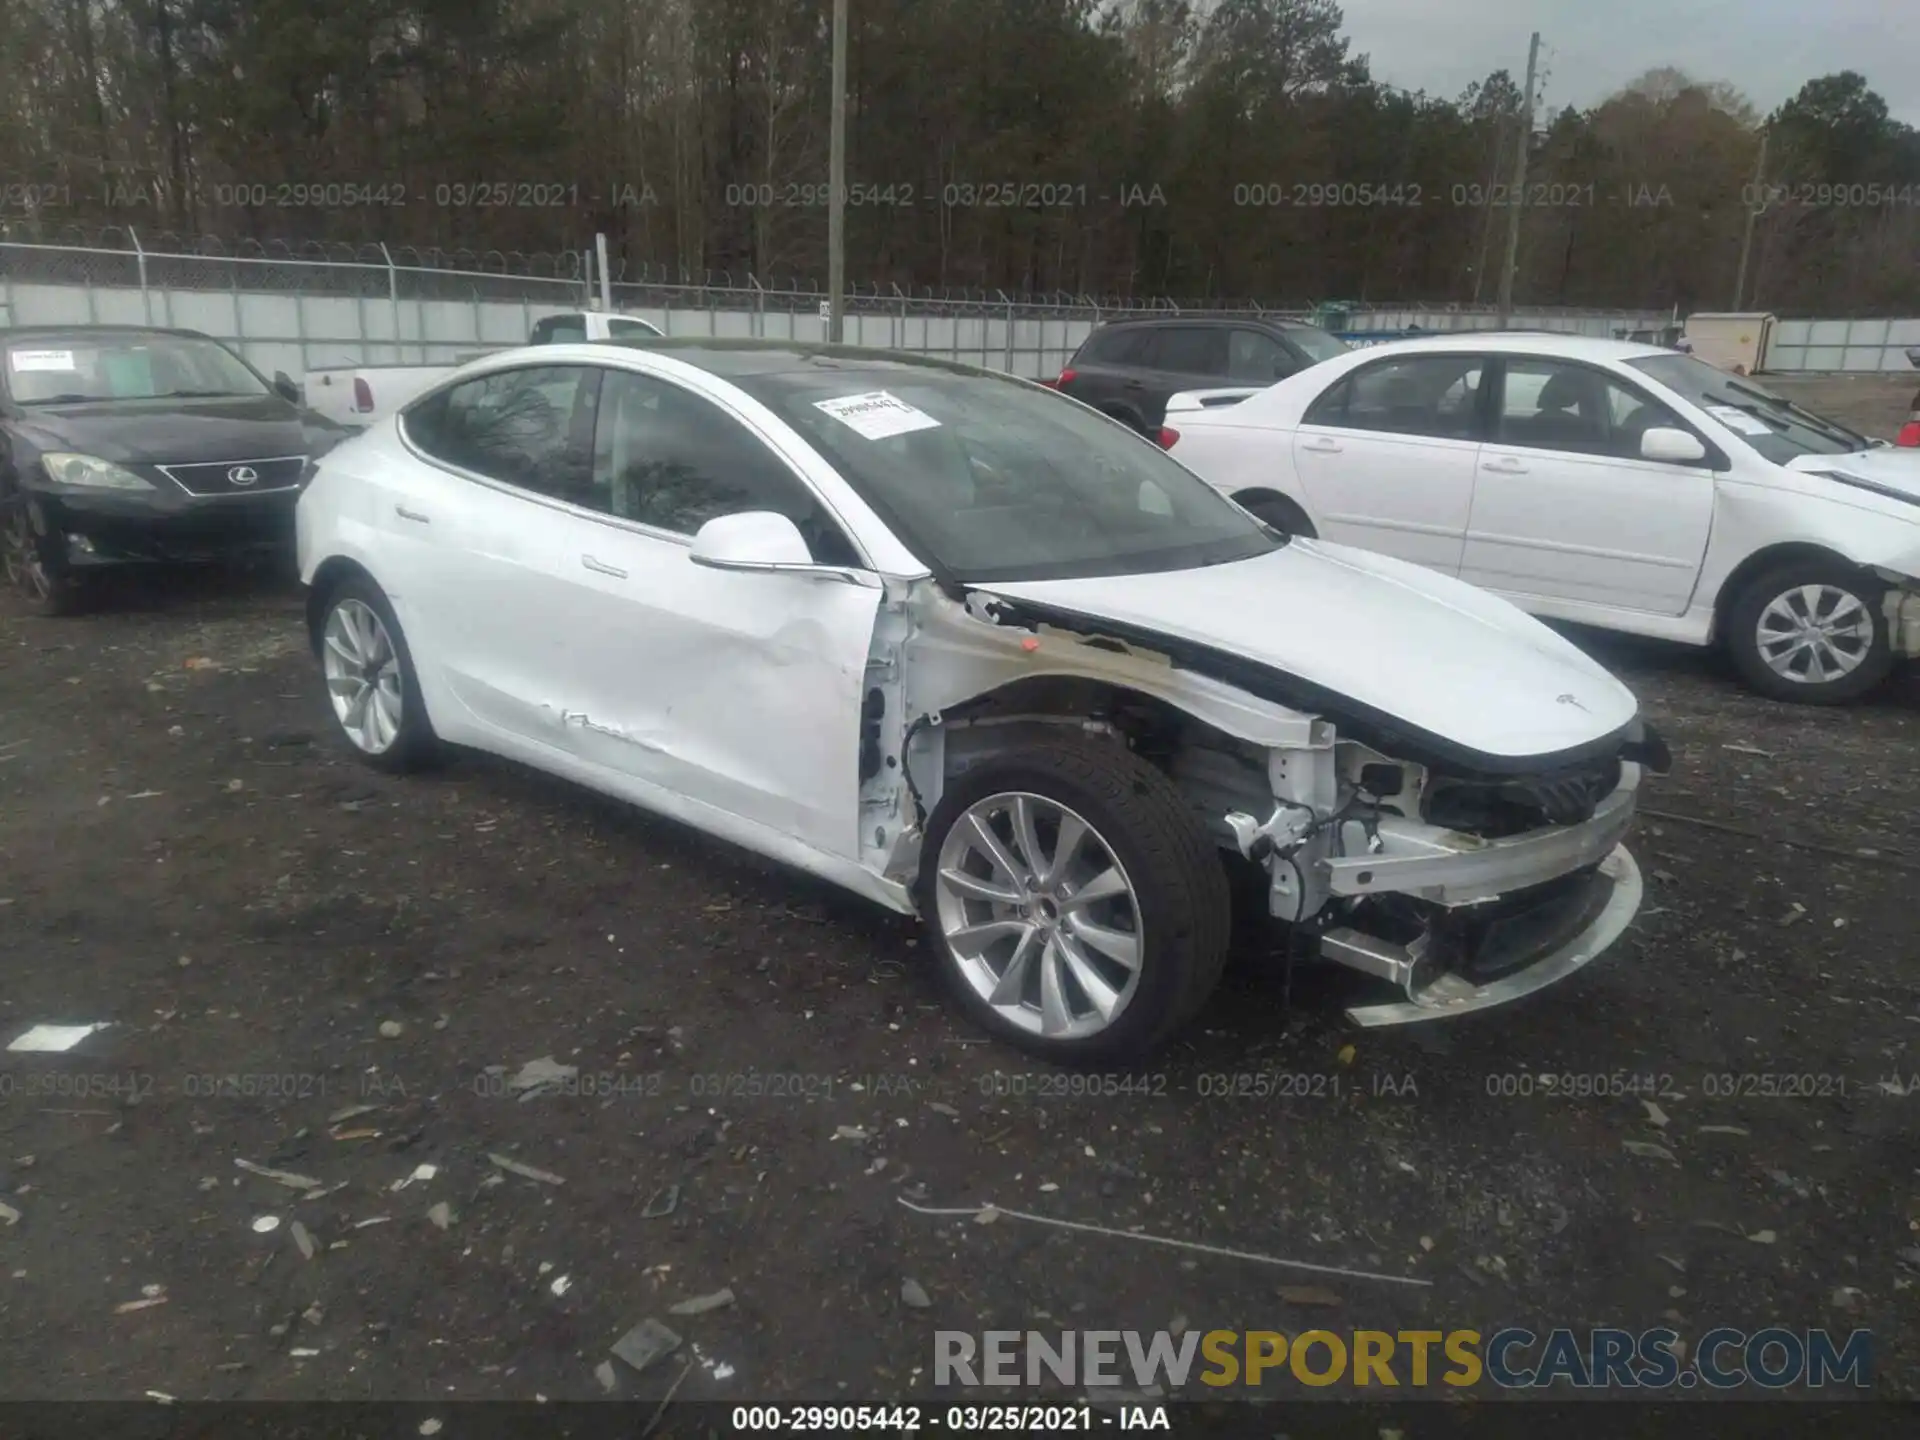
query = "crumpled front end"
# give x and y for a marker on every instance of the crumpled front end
(1461, 891)
(1460, 876)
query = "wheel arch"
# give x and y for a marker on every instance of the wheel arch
(1769, 558)
(1251, 495)
(1154, 727)
(333, 571)
(1126, 414)
(1066, 697)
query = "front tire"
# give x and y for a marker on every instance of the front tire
(46, 587)
(1078, 910)
(371, 681)
(1811, 632)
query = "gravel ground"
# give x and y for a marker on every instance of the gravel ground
(1876, 404)
(316, 969)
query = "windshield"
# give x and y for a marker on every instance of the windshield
(990, 479)
(69, 369)
(1773, 425)
(1317, 343)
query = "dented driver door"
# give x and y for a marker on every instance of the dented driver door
(738, 690)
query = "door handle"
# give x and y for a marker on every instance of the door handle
(1504, 466)
(413, 515)
(601, 569)
(1136, 385)
(1321, 447)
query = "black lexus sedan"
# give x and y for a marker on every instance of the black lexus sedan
(122, 443)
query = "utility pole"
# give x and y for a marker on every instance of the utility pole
(1756, 203)
(1518, 199)
(837, 183)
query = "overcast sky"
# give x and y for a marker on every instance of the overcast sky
(1590, 48)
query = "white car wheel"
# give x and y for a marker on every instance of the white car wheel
(1810, 631)
(370, 679)
(1078, 910)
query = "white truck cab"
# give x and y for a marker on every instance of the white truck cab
(578, 325)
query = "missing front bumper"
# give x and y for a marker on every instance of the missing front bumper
(1903, 620)
(1565, 934)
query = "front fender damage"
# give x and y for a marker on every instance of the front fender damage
(1383, 862)
(1902, 609)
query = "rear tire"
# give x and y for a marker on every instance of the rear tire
(371, 684)
(1811, 632)
(1162, 897)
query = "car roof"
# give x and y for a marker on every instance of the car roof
(734, 358)
(79, 332)
(1268, 322)
(1520, 342)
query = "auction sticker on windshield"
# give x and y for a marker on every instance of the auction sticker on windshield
(877, 414)
(1739, 420)
(24, 360)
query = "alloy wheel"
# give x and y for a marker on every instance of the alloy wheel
(363, 675)
(1814, 634)
(1039, 915)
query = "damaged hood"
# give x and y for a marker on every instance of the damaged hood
(1422, 649)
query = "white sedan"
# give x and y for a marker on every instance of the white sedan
(1611, 484)
(966, 648)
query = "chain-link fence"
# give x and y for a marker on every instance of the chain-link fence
(304, 307)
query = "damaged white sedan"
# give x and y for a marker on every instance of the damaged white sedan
(967, 648)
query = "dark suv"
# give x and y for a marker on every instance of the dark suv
(1129, 368)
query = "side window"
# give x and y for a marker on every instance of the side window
(1432, 395)
(559, 330)
(1255, 357)
(1459, 398)
(425, 423)
(1630, 414)
(1190, 350)
(1119, 347)
(668, 458)
(617, 326)
(1331, 407)
(532, 428)
(1549, 405)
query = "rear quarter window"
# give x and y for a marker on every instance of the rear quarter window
(1117, 347)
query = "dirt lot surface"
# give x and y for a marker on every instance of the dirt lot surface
(1876, 404)
(313, 968)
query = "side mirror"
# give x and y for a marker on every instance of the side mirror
(754, 540)
(1673, 447)
(286, 387)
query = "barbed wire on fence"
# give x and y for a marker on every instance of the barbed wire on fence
(109, 254)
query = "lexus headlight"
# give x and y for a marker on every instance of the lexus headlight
(91, 473)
